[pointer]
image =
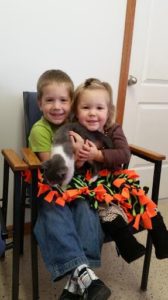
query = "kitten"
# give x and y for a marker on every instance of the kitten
(59, 169)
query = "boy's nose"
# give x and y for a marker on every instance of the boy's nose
(56, 105)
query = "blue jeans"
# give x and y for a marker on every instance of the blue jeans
(68, 236)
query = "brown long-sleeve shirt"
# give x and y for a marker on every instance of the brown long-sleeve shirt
(120, 153)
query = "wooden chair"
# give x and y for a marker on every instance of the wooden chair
(12, 163)
(34, 163)
(32, 114)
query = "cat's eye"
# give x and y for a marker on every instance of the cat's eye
(62, 176)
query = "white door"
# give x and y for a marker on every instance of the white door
(146, 113)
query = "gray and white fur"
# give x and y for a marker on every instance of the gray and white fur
(59, 169)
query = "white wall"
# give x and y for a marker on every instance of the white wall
(83, 38)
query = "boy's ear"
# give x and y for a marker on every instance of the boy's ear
(39, 104)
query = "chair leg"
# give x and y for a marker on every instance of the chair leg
(23, 202)
(3, 209)
(146, 265)
(5, 190)
(16, 235)
(155, 194)
(34, 258)
(34, 250)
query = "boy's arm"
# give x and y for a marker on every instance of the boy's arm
(43, 156)
(40, 141)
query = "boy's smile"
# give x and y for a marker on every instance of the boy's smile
(55, 103)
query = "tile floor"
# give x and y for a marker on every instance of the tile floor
(123, 279)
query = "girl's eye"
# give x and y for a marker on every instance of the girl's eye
(85, 107)
(64, 100)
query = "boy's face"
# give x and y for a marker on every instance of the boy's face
(55, 103)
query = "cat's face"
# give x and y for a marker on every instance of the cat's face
(55, 170)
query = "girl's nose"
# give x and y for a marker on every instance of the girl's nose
(92, 112)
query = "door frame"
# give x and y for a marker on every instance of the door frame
(125, 60)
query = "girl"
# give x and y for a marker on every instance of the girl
(128, 203)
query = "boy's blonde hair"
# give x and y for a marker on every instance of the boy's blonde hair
(51, 76)
(94, 84)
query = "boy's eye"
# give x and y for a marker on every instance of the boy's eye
(49, 100)
(85, 107)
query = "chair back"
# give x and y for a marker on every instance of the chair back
(32, 112)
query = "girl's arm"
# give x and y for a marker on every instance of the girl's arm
(90, 152)
(111, 158)
(120, 154)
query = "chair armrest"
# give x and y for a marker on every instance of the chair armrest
(14, 161)
(30, 158)
(146, 154)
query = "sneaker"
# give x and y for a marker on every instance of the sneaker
(97, 291)
(66, 295)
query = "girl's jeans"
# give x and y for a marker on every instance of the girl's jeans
(68, 236)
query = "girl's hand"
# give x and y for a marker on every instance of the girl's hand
(77, 141)
(88, 151)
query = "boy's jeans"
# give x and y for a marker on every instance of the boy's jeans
(68, 236)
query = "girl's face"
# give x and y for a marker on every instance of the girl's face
(55, 103)
(92, 109)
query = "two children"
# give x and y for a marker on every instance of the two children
(61, 231)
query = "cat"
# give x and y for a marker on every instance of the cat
(60, 168)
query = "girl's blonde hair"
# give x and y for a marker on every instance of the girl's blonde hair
(51, 76)
(94, 84)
